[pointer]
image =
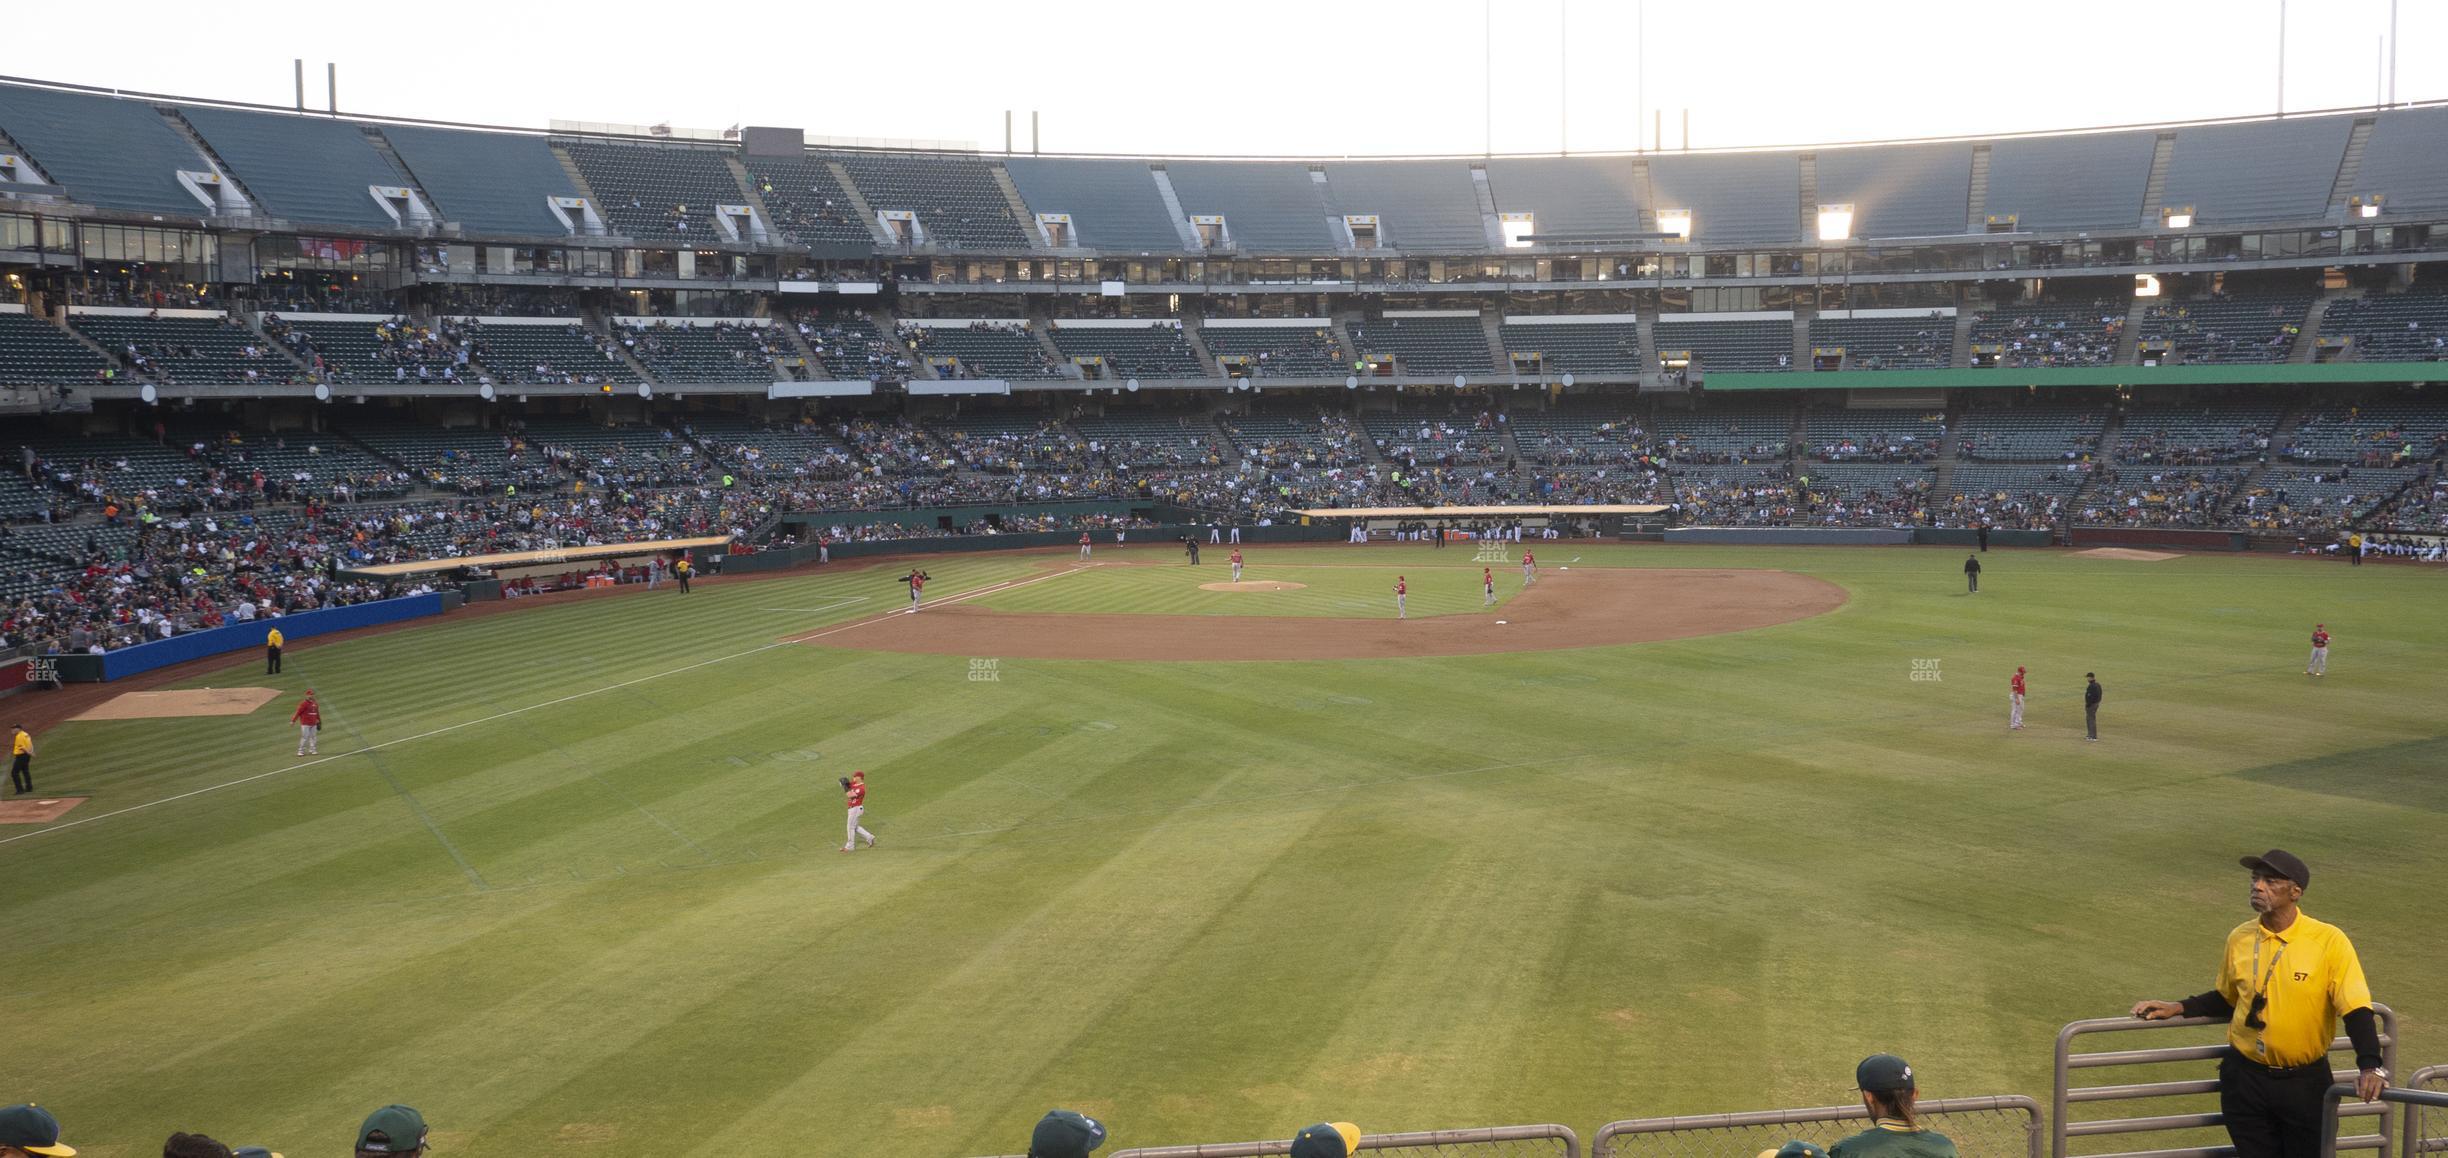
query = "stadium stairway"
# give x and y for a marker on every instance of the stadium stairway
(1342, 333)
(577, 179)
(2112, 431)
(748, 190)
(2307, 340)
(2282, 432)
(1011, 196)
(1491, 321)
(811, 368)
(858, 205)
(886, 327)
(195, 140)
(2129, 339)
(1644, 322)
(1194, 331)
(1961, 358)
(1801, 342)
(2350, 167)
(600, 321)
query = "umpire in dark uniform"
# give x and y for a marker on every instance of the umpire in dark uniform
(2285, 981)
(1972, 573)
(2091, 702)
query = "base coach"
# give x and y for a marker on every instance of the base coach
(2284, 983)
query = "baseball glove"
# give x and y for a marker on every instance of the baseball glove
(845, 782)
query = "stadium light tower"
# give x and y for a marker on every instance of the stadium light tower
(1835, 222)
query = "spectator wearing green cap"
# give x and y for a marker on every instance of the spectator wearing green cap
(30, 1129)
(391, 1131)
(1065, 1134)
(1888, 1092)
(183, 1145)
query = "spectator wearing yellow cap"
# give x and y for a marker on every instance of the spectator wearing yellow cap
(1326, 1140)
(30, 1129)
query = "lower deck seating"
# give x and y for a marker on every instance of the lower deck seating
(2404, 327)
(2040, 432)
(2225, 330)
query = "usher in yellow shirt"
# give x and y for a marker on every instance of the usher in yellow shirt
(2312, 977)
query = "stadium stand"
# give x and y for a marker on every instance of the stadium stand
(108, 151)
(1915, 343)
(2063, 432)
(808, 202)
(1114, 205)
(465, 460)
(2071, 182)
(1580, 437)
(364, 350)
(494, 182)
(1872, 435)
(2225, 330)
(1720, 344)
(1316, 442)
(307, 169)
(2032, 335)
(1421, 206)
(2399, 327)
(985, 349)
(1150, 351)
(1740, 197)
(1596, 347)
(656, 193)
(2257, 172)
(2165, 497)
(2008, 495)
(1592, 197)
(800, 449)
(1008, 443)
(1425, 345)
(681, 352)
(538, 354)
(34, 352)
(2314, 499)
(1287, 351)
(2402, 160)
(1267, 206)
(2197, 434)
(953, 195)
(851, 348)
(1899, 190)
(2374, 433)
(188, 350)
(1151, 440)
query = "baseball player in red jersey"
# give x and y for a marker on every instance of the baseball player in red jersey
(1487, 585)
(309, 719)
(1083, 546)
(2320, 651)
(1236, 562)
(2014, 721)
(1529, 568)
(854, 797)
(1402, 590)
(917, 581)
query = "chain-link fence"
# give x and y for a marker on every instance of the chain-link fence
(1546, 1141)
(2426, 1127)
(1995, 1127)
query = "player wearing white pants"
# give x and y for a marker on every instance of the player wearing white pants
(1402, 593)
(1236, 570)
(854, 794)
(2320, 651)
(309, 719)
(2014, 716)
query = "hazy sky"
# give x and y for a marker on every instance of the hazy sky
(1315, 77)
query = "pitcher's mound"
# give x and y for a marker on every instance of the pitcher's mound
(37, 809)
(185, 702)
(2128, 553)
(1253, 585)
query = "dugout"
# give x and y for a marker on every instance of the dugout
(489, 576)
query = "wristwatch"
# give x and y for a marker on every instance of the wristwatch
(2380, 1070)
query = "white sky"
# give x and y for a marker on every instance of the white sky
(1304, 77)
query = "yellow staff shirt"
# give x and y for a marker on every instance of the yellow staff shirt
(274, 639)
(23, 745)
(2312, 977)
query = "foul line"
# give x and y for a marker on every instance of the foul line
(989, 589)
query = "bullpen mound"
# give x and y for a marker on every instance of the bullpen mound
(1591, 607)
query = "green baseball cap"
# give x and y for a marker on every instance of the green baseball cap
(1065, 1134)
(392, 1130)
(1883, 1073)
(1326, 1140)
(32, 1129)
(1795, 1149)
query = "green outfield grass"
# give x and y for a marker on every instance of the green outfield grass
(569, 874)
(1357, 586)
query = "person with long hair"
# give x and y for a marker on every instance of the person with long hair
(1887, 1091)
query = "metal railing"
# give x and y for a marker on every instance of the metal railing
(2006, 1126)
(2063, 1129)
(2333, 1105)
(1542, 1141)
(2425, 1129)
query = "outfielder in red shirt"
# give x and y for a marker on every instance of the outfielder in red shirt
(1487, 585)
(1083, 546)
(854, 797)
(2320, 651)
(1529, 568)
(309, 719)
(1236, 562)
(1402, 590)
(917, 581)
(2014, 721)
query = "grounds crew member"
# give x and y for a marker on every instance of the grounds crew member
(272, 648)
(21, 761)
(2284, 983)
(1887, 1091)
(681, 571)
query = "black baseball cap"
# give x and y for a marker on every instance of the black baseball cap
(1883, 1073)
(1065, 1134)
(2278, 862)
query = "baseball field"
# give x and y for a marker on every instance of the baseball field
(1677, 830)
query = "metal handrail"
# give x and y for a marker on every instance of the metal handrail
(1412, 1140)
(2066, 1096)
(2414, 1143)
(2331, 1108)
(2002, 1102)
